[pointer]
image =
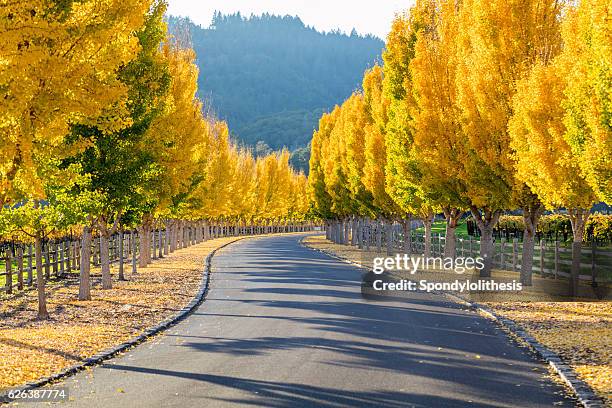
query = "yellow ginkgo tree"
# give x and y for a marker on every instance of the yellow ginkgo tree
(438, 138)
(557, 130)
(587, 57)
(58, 66)
(403, 172)
(499, 41)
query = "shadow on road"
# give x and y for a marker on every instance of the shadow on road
(418, 335)
(288, 395)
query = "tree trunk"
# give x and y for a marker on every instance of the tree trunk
(452, 215)
(181, 235)
(368, 233)
(336, 236)
(143, 233)
(173, 227)
(104, 259)
(160, 240)
(154, 242)
(121, 257)
(40, 279)
(427, 223)
(485, 223)
(85, 265)
(578, 218)
(347, 229)
(486, 250)
(338, 232)
(379, 226)
(334, 231)
(389, 237)
(531, 216)
(134, 253)
(407, 227)
(167, 242)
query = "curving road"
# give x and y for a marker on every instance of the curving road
(286, 326)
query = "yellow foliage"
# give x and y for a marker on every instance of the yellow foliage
(587, 66)
(58, 64)
(544, 159)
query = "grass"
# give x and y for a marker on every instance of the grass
(439, 227)
(603, 256)
(14, 275)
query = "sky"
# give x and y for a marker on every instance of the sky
(367, 17)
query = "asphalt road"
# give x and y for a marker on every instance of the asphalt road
(286, 326)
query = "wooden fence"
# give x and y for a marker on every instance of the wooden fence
(62, 257)
(551, 258)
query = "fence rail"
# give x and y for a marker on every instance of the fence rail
(62, 257)
(551, 258)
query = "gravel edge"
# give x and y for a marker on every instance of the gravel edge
(120, 348)
(582, 391)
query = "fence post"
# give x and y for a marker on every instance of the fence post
(471, 246)
(55, 256)
(112, 248)
(514, 254)
(542, 255)
(167, 237)
(389, 237)
(502, 254)
(97, 251)
(20, 267)
(160, 239)
(134, 250)
(61, 260)
(30, 275)
(77, 246)
(47, 261)
(69, 254)
(66, 244)
(94, 251)
(9, 271)
(120, 248)
(556, 259)
(368, 227)
(118, 242)
(75, 255)
(94, 247)
(593, 273)
(154, 243)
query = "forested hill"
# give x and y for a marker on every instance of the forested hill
(270, 77)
